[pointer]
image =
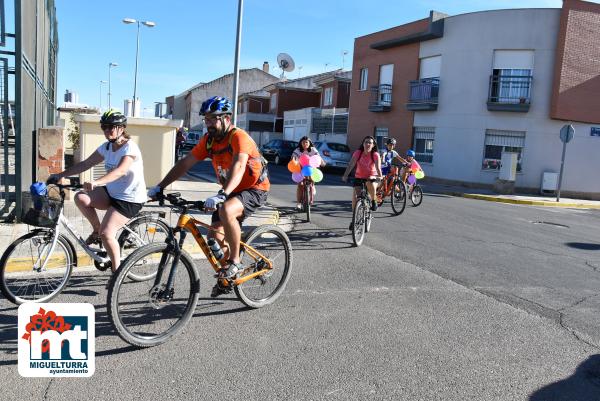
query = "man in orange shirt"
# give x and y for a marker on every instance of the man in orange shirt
(240, 171)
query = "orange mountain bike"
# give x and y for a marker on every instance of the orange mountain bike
(392, 186)
(148, 313)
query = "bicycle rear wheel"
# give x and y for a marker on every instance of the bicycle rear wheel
(358, 222)
(145, 313)
(398, 198)
(21, 277)
(416, 195)
(273, 243)
(145, 230)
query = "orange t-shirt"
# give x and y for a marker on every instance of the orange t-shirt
(222, 159)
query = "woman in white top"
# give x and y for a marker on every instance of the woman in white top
(306, 147)
(121, 192)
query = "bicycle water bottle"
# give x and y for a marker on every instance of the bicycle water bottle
(215, 248)
(38, 190)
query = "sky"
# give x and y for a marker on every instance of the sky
(194, 40)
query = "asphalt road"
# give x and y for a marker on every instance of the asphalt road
(455, 299)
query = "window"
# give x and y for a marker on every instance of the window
(364, 75)
(273, 104)
(423, 144)
(381, 133)
(338, 147)
(496, 142)
(328, 97)
(511, 85)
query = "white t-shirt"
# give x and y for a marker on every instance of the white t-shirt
(311, 152)
(131, 187)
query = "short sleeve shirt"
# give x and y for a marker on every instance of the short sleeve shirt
(222, 158)
(311, 152)
(387, 157)
(131, 187)
(365, 164)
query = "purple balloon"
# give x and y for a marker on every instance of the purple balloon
(297, 177)
(411, 179)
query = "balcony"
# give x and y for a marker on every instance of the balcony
(423, 94)
(510, 93)
(381, 98)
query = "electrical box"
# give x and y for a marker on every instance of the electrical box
(549, 182)
(508, 167)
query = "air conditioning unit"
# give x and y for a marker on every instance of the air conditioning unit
(549, 182)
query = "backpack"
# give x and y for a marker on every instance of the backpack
(264, 172)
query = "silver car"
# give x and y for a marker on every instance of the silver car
(334, 154)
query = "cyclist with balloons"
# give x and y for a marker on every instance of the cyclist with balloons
(305, 162)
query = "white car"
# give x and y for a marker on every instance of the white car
(334, 154)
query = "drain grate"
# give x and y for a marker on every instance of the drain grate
(549, 223)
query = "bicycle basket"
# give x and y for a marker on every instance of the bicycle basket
(39, 210)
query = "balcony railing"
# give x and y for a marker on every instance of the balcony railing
(381, 98)
(423, 94)
(510, 93)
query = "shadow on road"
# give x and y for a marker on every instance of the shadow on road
(584, 384)
(585, 246)
(321, 238)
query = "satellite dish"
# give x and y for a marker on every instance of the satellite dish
(285, 62)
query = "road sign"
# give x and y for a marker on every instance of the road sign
(566, 133)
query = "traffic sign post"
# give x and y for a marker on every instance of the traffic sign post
(566, 135)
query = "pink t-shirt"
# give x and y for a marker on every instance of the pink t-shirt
(365, 165)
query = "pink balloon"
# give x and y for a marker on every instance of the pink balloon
(315, 161)
(304, 160)
(297, 177)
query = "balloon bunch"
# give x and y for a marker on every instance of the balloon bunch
(417, 173)
(306, 166)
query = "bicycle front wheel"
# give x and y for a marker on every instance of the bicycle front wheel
(307, 196)
(272, 243)
(358, 222)
(398, 198)
(416, 195)
(144, 230)
(147, 313)
(30, 273)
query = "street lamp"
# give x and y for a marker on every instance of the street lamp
(149, 24)
(101, 82)
(110, 65)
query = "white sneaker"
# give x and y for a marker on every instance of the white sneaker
(298, 206)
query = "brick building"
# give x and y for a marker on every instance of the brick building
(462, 90)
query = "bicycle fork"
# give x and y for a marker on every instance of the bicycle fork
(161, 294)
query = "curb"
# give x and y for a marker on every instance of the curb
(491, 198)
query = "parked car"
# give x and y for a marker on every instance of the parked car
(279, 150)
(334, 154)
(192, 138)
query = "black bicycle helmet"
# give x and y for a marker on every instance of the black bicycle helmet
(113, 117)
(390, 141)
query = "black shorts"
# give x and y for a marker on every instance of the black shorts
(127, 209)
(358, 181)
(251, 198)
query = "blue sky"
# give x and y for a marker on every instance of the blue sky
(193, 40)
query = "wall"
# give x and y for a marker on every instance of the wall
(50, 155)
(155, 137)
(362, 122)
(576, 89)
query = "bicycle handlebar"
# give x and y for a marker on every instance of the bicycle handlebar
(71, 185)
(175, 199)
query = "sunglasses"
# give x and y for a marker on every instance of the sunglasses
(108, 127)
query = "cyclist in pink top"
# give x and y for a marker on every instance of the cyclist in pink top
(368, 168)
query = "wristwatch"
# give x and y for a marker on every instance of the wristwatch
(222, 192)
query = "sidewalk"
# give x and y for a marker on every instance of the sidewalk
(191, 190)
(524, 199)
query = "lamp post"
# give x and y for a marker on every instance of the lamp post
(236, 66)
(101, 82)
(149, 24)
(110, 65)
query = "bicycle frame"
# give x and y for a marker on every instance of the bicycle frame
(190, 224)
